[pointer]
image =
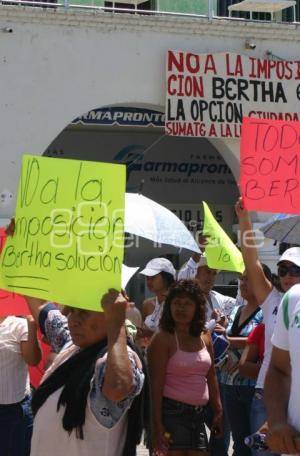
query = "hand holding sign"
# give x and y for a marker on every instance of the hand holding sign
(114, 305)
(270, 165)
(221, 253)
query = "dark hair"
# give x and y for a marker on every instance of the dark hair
(190, 289)
(267, 272)
(276, 282)
(167, 278)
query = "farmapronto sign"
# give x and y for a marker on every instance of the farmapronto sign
(209, 94)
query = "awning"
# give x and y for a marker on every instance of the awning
(262, 6)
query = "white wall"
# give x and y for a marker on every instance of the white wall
(56, 65)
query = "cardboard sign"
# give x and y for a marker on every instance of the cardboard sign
(207, 95)
(68, 241)
(270, 166)
(11, 303)
(221, 253)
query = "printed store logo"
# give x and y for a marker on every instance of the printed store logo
(138, 117)
(132, 155)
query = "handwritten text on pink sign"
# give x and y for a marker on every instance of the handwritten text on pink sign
(270, 165)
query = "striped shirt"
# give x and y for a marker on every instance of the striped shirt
(14, 378)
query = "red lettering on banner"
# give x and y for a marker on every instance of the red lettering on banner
(229, 72)
(212, 130)
(268, 69)
(270, 165)
(175, 61)
(171, 79)
(181, 85)
(193, 63)
(298, 70)
(186, 129)
(222, 89)
(234, 68)
(210, 66)
(239, 66)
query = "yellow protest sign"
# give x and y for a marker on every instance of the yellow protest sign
(221, 252)
(68, 244)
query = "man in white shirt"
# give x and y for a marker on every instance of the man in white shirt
(197, 268)
(282, 385)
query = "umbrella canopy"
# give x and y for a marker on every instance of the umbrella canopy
(127, 274)
(146, 218)
(283, 228)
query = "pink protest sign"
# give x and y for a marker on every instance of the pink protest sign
(270, 165)
(10, 303)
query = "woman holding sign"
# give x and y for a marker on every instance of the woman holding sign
(268, 297)
(239, 390)
(89, 401)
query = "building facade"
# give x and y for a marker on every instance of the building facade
(91, 84)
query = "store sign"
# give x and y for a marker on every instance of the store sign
(209, 94)
(170, 171)
(192, 215)
(122, 116)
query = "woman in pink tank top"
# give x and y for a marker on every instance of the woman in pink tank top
(182, 374)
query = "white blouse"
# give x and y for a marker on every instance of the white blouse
(14, 378)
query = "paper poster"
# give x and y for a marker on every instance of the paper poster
(221, 253)
(270, 166)
(208, 95)
(69, 223)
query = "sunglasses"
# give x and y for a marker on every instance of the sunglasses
(293, 270)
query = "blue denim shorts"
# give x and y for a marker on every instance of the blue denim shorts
(186, 425)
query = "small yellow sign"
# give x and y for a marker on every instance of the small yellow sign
(220, 251)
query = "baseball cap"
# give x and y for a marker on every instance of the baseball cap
(292, 255)
(158, 265)
(203, 262)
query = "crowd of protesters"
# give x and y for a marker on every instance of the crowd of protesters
(189, 373)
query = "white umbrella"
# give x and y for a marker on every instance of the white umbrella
(283, 228)
(127, 274)
(146, 218)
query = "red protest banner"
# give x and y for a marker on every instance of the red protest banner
(10, 303)
(270, 165)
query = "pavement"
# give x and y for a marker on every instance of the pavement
(142, 451)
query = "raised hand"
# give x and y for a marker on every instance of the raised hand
(114, 306)
(240, 208)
